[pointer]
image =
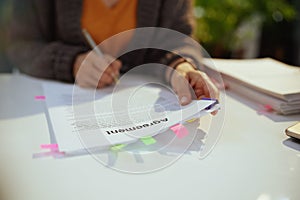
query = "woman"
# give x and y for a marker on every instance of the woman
(48, 41)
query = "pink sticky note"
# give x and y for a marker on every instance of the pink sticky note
(39, 97)
(266, 109)
(49, 146)
(180, 130)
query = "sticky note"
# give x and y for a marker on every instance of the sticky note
(180, 130)
(268, 108)
(39, 97)
(191, 120)
(148, 140)
(117, 147)
(265, 109)
(49, 146)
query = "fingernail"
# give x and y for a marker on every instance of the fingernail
(184, 100)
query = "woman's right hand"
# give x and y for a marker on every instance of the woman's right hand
(91, 70)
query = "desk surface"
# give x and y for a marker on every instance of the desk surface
(253, 159)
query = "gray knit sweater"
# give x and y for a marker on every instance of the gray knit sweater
(46, 35)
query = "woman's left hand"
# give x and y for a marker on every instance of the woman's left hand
(189, 84)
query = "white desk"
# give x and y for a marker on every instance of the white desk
(253, 159)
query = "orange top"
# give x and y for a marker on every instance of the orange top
(102, 22)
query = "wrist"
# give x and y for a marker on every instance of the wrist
(185, 67)
(172, 67)
(78, 62)
(182, 66)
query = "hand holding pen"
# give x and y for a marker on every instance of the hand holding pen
(92, 69)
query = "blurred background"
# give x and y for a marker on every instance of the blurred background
(250, 28)
(227, 29)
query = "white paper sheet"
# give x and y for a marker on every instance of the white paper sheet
(264, 74)
(88, 119)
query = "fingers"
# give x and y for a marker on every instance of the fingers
(215, 112)
(92, 70)
(203, 86)
(193, 83)
(114, 66)
(115, 63)
(182, 88)
(105, 80)
(83, 72)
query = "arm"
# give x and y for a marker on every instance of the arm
(34, 48)
(178, 15)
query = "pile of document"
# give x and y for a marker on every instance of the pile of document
(132, 110)
(265, 80)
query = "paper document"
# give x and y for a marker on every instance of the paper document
(88, 119)
(266, 81)
(266, 75)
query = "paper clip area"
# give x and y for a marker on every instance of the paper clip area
(49, 146)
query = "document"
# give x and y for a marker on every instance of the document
(264, 80)
(92, 119)
(265, 75)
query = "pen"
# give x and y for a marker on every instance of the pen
(93, 45)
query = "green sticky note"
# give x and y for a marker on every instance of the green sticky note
(117, 147)
(148, 140)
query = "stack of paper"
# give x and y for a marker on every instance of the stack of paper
(88, 119)
(266, 81)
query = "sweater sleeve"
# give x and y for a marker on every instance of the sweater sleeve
(178, 16)
(34, 48)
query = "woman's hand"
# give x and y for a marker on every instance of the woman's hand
(190, 84)
(91, 70)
